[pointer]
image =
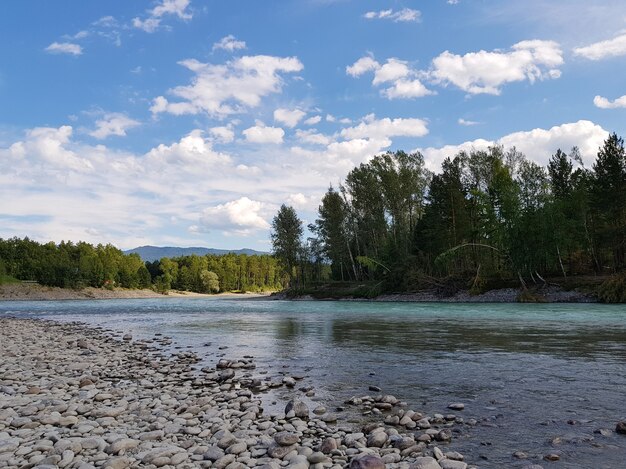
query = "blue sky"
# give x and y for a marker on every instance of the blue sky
(188, 122)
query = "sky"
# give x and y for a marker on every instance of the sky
(189, 122)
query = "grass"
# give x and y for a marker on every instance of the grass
(7, 279)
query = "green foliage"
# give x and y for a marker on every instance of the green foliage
(210, 281)
(286, 238)
(488, 216)
(79, 265)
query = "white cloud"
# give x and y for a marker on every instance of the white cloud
(149, 25)
(229, 43)
(64, 48)
(361, 66)
(406, 89)
(485, 72)
(537, 144)
(167, 7)
(113, 124)
(263, 134)
(405, 15)
(193, 149)
(289, 117)
(221, 90)
(467, 123)
(604, 103)
(49, 145)
(393, 70)
(313, 137)
(313, 120)
(600, 50)
(223, 134)
(242, 216)
(405, 83)
(385, 128)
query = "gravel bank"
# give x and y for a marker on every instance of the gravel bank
(35, 292)
(78, 397)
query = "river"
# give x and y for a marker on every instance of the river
(537, 378)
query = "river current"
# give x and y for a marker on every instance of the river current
(538, 378)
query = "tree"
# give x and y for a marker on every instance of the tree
(608, 198)
(286, 238)
(331, 227)
(210, 281)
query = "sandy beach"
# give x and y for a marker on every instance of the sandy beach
(78, 397)
(35, 292)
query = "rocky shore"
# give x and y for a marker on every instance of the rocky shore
(79, 397)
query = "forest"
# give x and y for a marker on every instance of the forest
(488, 218)
(78, 265)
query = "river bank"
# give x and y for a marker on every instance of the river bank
(36, 292)
(550, 294)
(79, 397)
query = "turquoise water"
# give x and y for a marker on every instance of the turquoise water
(523, 371)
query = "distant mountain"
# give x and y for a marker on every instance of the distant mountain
(154, 253)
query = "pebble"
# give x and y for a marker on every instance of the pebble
(456, 406)
(105, 402)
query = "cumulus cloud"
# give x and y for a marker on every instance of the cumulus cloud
(486, 72)
(405, 82)
(192, 149)
(64, 48)
(386, 128)
(262, 134)
(221, 90)
(537, 144)
(311, 136)
(229, 43)
(289, 117)
(604, 103)
(152, 22)
(223, 134)
(313, 120)
(113, 124)
(241, 216)
(49, 145)
(600, 50)
(361, 66)
(406, 15)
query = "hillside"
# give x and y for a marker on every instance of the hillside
(154, 253)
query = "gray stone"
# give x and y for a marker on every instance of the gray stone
(213, 453)
(317, 457)
(123, 444)
(452, 464)
(279, 452)
(368, 461)
(237, 448)
(425, 463)
(286, 438)
(300, 409)
(328, 445)
(456, 406)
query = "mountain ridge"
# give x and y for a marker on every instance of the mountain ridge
(150, 253)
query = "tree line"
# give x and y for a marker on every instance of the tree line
(486, 214)
(78, 265)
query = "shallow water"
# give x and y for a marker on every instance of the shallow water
(523, 371)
